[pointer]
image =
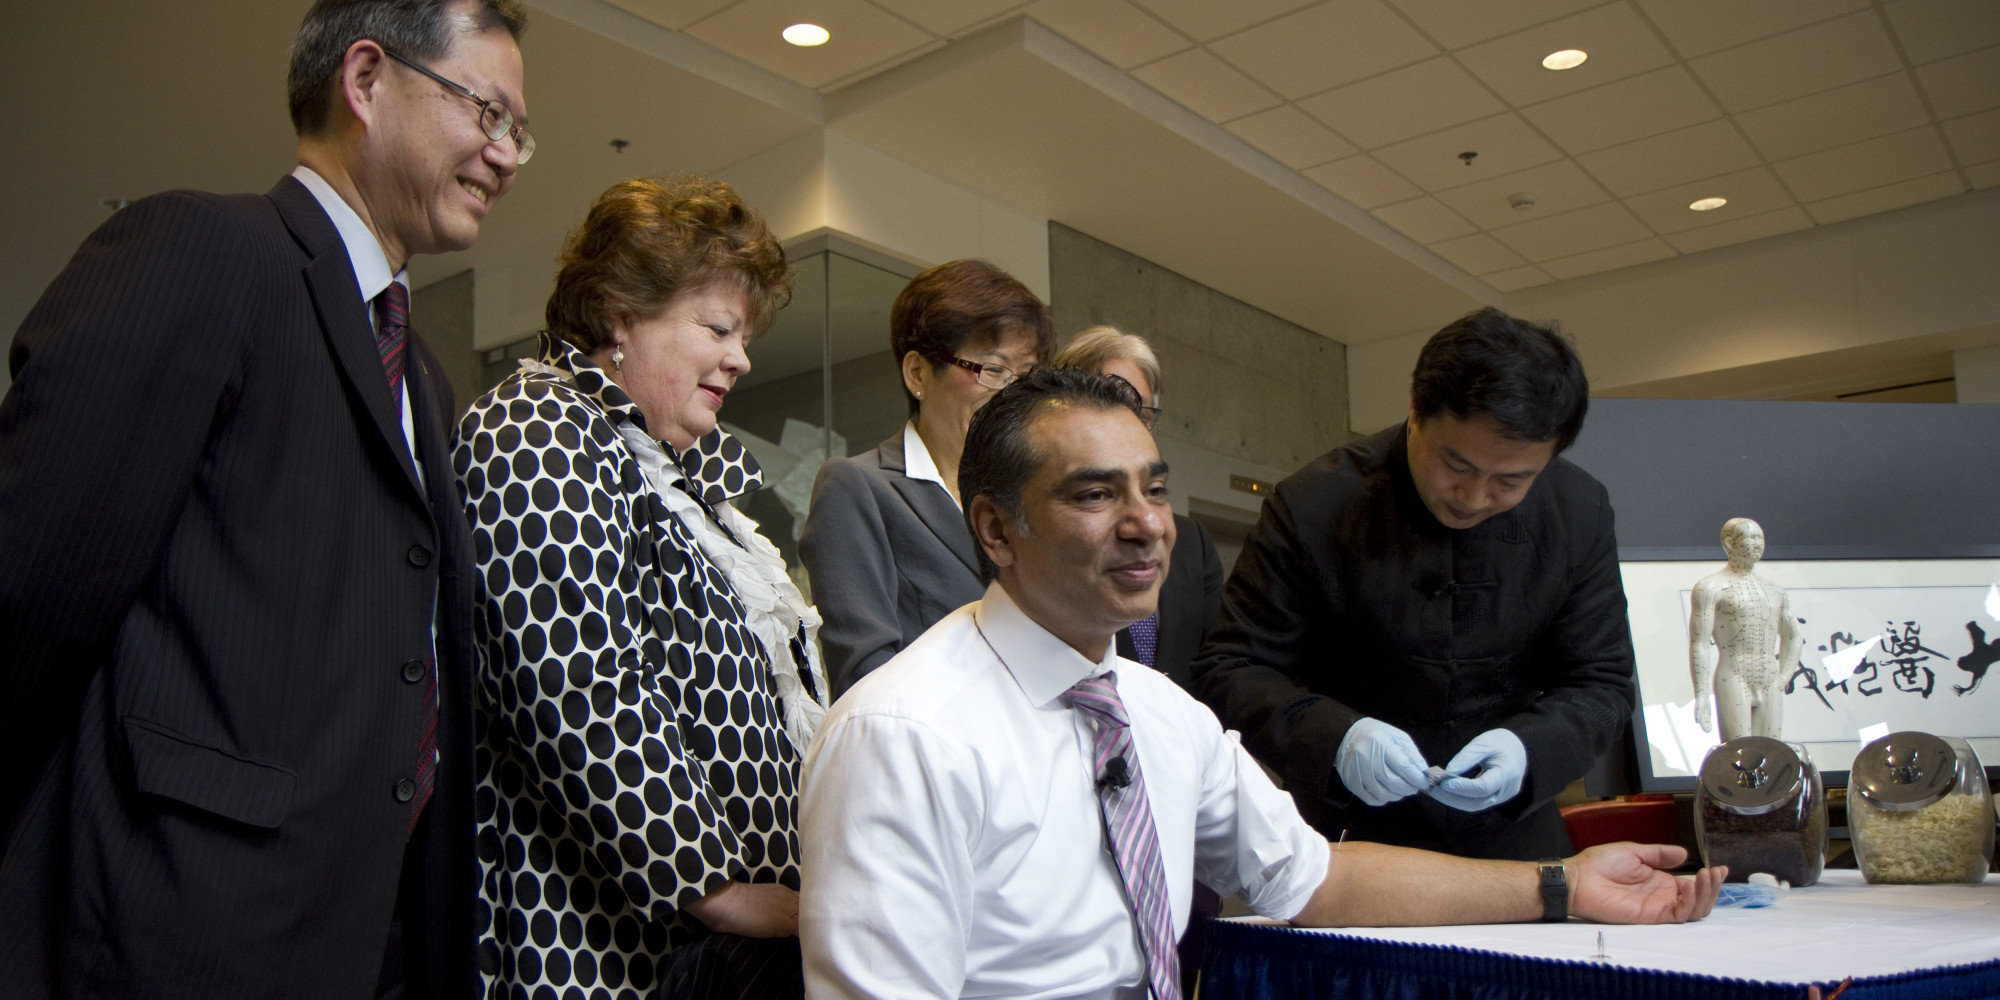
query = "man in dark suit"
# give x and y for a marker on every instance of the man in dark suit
(235, 649)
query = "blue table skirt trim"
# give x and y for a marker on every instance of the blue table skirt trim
(1263, 962)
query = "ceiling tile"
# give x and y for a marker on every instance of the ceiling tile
(1206, 19)
(949, 18)
(1325, 46)
(1933, 29)
(1425, 221)
(1572, 233)
(1868, 164)
(1504, 143)
(1480, 254)
(1292, 138)
(1984, 175)
(1363, 181)
(1975, 139)
(1841, 51)
(1619, 43)
(863, 36)
(1835, 117)
(1689, 154)
(1697, 28)
(1558, 187)
(1515, 279)
(1886, 198)
(1609, 259)
(1116, 31)
(1750, 192)
(1963, 84)
(1407, 102)
(1455, 23)
(1621, 112)
(1208, 86)
(675, 14)
(1743, 230)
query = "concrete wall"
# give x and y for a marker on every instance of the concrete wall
(1245, 392)
(442, 313)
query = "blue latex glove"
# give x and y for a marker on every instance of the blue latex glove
(1379, 763)
(1499, 762)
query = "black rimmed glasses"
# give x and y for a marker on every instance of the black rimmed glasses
(990, 376)
(1148, 415)
(494, 117)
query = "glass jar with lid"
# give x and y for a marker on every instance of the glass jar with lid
(1760, 807)
(1919, 810)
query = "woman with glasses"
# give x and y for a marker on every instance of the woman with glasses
(885, 543)
(647, 672)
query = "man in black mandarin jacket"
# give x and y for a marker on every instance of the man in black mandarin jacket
(236, 592)
(1445, 592)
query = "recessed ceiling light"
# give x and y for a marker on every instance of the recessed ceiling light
(1566, 59)
(1708, 204)
(807, 35)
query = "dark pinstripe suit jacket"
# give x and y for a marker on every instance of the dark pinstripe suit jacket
(218, 562)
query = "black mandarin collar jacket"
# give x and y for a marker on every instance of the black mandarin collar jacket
(1351, 600)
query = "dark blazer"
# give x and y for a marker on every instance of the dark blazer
(1189, 599)
(220, 568)
(888, 556)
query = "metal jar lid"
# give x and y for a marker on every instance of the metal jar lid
(1904, 772)
(1751, 775)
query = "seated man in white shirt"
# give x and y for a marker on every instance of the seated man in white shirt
(974, 814)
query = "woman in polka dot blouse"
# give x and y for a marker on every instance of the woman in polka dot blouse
(649, 679)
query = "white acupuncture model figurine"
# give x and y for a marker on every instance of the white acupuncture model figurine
(1740, 638)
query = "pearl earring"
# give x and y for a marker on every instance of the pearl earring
(617, 359)
(920, 395)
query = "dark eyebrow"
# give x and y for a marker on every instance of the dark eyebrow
(1106, 477)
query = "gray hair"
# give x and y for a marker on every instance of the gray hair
(1098, 346)
(416, 29)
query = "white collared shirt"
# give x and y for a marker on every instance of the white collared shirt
(950, 827)
(917, 463)
(371, 273)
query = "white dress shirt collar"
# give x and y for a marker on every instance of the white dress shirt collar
(917, 463)
(1043, 665)
(371, 265)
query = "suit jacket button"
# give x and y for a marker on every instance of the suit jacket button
(406, 790)
(420, 556)
(413, 671)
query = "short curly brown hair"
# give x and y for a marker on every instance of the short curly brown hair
(646, 241)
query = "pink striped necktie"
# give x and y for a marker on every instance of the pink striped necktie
(392, 341)
(1128, 820)
(392, 335)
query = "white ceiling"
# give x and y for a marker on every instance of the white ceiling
(1800, 112)
(1302, 156)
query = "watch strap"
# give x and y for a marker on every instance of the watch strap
(1555, 890)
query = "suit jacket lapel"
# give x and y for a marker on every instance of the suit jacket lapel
(343, 317)
(931, 503)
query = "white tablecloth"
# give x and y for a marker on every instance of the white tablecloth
(1822, 933)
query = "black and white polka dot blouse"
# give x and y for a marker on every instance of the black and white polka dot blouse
(632, 755)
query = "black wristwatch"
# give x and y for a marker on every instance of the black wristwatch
(1555, 891)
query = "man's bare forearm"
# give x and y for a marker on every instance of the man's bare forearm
(1376, 885)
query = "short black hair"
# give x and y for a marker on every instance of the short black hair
(416, 29)
(998, 458)
(1526, 377)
